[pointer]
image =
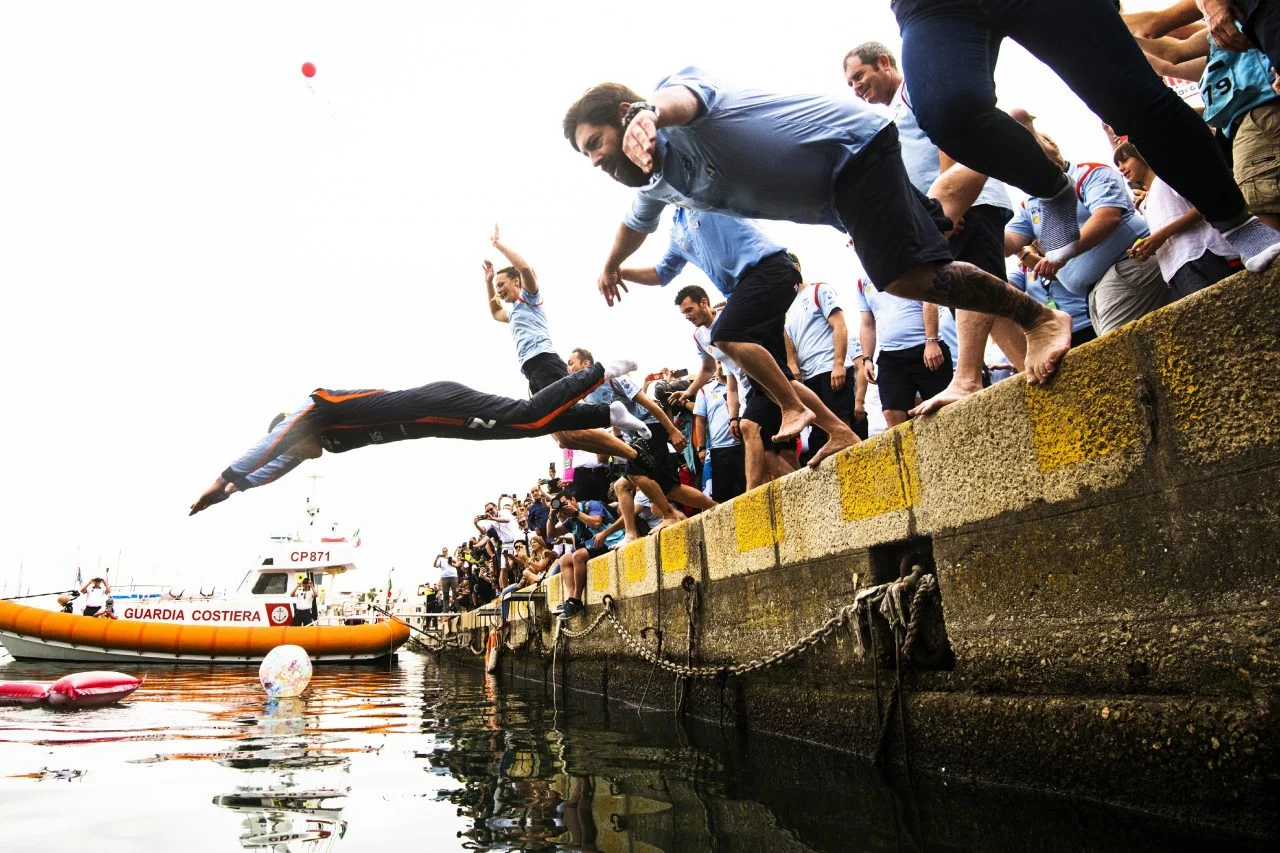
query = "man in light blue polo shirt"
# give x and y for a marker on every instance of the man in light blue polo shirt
(805, 158)
(908, 356)
(759, 278)
(871, 70)
(817, 349)
(713, 431)
(1119, 288)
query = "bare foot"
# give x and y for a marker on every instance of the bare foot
(1047, 342)
(630, 537)
(793, 423)
(835, 443)
(953, 393)
(673, 517)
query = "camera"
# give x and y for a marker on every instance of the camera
(556, 503)
(552, 485)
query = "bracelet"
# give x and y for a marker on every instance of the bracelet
(731, 420)
(933, 340)
(637, 108)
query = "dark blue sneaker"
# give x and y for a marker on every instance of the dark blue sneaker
(572, 607)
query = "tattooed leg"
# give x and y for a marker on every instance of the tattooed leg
(964, 286)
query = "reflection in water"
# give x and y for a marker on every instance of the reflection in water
(437, 756)
(285, 819)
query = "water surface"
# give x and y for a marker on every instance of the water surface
(424, 755)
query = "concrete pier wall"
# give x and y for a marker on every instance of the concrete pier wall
(1108, 556)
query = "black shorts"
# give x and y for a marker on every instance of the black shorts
(893, 226)
(1083, 336)
(728, 472)
(91, 611)
(544, 369)
(765, 413)
(981, 242)
(757, 309)
(590, 484)
(901, 374)
(839, 402)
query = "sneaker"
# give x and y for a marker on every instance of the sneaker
(572, 607)
(624, 420)
(617, 367)
(1257, 243)
(644, 463)
(1059, 225)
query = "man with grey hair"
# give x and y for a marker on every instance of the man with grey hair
(871, 70)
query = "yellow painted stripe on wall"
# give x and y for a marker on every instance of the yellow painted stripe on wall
(598, 573)
(673, 546)
(754, 522)
(880, 475)
(634, 565)
(1092, 410)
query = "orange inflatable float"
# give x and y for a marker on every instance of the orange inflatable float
(31, 633)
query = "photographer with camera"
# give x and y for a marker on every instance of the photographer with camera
(448, 579)
(501, 527)
(95, 594)
(584, 521)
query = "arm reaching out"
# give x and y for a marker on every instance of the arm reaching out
(528, 281)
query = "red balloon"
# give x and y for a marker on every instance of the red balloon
(308, 69)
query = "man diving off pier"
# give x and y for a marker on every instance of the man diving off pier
(339, 421)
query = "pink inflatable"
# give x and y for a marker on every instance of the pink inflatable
(23, 692)
(89, 689)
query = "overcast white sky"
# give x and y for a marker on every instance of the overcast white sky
(194, 238)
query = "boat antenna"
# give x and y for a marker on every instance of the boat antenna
(312, 508)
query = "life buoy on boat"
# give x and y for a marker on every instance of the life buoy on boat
(90, 689)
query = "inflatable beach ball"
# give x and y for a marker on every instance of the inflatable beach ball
(285, 672)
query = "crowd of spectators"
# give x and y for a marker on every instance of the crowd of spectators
(1102, 245)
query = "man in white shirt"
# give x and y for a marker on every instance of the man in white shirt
(304, 604)
(448, 578)
(95, 595)
(503, 527)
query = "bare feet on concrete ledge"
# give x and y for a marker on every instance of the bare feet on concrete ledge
(835, 443)
(953, 393)
(1047, 342)
(674, 517)
(793, 423)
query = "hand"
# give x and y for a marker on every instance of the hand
(869, 370)
(837, 377)
(735, 429)
(1047, 269)
(598, 540)
(677, 440)
(933, 356)
(215, 494)
(1146, 247)
(640, 140)
(688, 395)
(1139, 196)
(1222, 25)
(487, 266)
(610, 283)
(1275, 81)
(495, 240)
(859, 411)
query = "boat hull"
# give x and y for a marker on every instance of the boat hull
(30, 633)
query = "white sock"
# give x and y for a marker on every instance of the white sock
(624, 420)
(1257, 243)
(617, 367)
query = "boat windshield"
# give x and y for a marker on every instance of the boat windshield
(272, 583)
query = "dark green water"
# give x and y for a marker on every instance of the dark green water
(425, 756)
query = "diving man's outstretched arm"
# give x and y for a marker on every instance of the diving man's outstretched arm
(274, 455)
